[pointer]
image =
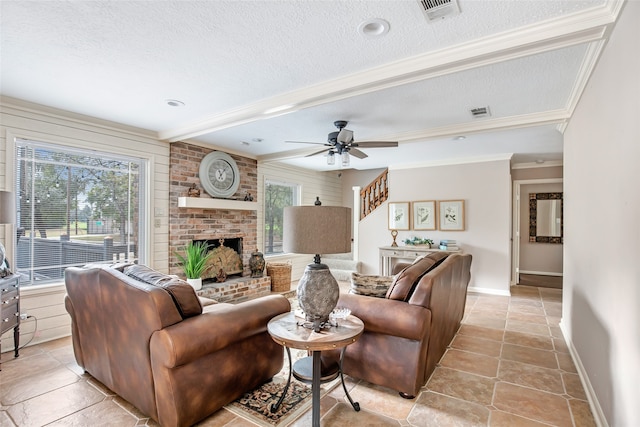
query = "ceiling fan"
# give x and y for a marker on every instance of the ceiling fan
(341, 143)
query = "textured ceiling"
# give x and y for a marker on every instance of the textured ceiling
(231, 62)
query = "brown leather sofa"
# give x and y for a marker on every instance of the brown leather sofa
(407, 332)
(147, 337)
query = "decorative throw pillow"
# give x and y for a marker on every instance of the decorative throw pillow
(370, 285)
(183, 294)
(408, 279)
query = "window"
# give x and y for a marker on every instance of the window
(75, 207)
(277, 196)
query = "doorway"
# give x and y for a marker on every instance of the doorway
(535, 263)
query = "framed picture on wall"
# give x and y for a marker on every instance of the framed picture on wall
(399, 216)
(451, 213)
(424, 215)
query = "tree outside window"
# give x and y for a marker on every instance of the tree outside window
(277, 196)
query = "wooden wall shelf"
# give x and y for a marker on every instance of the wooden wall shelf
(207, 203)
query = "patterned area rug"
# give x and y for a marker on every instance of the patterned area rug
(255, 406)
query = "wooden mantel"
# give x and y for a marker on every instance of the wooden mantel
(207, 203)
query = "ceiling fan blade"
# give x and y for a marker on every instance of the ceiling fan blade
(357, 153)
(375, 144)
(317, 152)
(307, 142)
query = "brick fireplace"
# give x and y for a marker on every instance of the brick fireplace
(187, 224)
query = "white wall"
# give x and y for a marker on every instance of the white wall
(601, 295)
(486, 189)
(21, 119)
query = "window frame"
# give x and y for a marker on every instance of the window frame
(144, 230)
(297, 196)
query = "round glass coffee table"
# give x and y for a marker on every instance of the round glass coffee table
(288, 331)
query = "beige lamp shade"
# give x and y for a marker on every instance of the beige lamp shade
(7, 207)
(317, 229)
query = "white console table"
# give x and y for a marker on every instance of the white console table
(390, 255)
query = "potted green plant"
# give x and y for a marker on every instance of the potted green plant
(417, 241)
(194, 262)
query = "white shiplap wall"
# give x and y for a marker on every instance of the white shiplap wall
(19, 119)
(326, 185)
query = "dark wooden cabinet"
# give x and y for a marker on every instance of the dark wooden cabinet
(10, 308)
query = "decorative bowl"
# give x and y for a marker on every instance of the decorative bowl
(340, 313)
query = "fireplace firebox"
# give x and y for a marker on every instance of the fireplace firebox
(227, 255)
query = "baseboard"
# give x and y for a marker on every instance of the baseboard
(540, 273)
(489, 291)
(596, 409)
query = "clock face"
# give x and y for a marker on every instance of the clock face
(219, 174)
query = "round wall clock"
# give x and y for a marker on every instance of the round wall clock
(219, 174)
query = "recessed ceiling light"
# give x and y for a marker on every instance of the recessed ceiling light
(459, 138)
(539, 161)
(257, 139)
(174, 103)
(375, 27)
(244, 143)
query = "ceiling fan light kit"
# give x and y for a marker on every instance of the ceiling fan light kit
(345, 158)
(331, 158)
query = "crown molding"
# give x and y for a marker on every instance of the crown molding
(7, 104)
(489, 125)
(588, 64)
(582, 27)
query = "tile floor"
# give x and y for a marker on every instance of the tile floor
(507, 366)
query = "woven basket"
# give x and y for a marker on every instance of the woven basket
(280, 273)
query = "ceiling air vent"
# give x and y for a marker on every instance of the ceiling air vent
(480, 112)
(435, 10)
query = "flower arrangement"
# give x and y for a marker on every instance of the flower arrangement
(417, 241)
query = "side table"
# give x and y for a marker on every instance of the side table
(287, 330)
(10, 308)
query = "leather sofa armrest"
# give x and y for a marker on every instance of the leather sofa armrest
(215, 329)
(389, 317)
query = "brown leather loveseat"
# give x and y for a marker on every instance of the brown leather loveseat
(407, 332)
(146, 336)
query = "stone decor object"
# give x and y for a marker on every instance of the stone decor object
(221, 276)
(256, 264)
(318, 294)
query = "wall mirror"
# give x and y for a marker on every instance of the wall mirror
(545, 217)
